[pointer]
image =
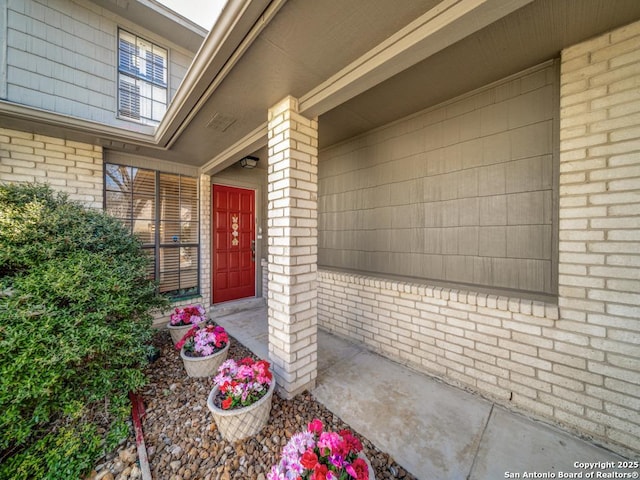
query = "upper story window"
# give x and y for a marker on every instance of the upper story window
(142, 79)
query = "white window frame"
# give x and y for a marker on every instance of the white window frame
(142, 67)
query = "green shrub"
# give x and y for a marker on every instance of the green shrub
(74, 331)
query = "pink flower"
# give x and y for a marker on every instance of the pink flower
(264, 375)
(360, 469)
(245, 382)
(203, 341)
(244, 372)
(331, 441)
(318, 455)
(352, 444)
(315, 426)
(192, 314)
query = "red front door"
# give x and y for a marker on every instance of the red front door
(233, 257)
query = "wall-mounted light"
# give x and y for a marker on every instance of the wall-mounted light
(249, 162)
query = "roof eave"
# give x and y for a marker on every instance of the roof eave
(238, 26)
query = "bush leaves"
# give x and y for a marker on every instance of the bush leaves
(74, 331)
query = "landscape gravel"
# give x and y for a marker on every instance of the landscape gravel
(182, 440)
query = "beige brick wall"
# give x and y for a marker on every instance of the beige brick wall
(503, 347)
(205, 239)
(599, 264)
(265, 278)
(575, 363)
(71, 167)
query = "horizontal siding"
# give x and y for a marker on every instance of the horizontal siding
(62, 57)
(463, 192)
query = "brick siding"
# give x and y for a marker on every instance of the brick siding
(71, 167)
(500, 346)
(599, 265)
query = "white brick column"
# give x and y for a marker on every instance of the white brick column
(205, 239)
(293, 246)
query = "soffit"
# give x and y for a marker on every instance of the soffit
(527, 37)
(304, 44)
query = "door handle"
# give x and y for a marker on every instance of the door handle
(253, 250)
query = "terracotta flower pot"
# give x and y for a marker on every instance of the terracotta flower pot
(242, 422)
(204, 366)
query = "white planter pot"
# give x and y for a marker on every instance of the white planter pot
(242, 422)
(177, 332)
(372, 475)
(204, 366)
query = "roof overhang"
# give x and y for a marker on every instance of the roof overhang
(156, 17)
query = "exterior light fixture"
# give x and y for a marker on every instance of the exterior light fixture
(249, 162)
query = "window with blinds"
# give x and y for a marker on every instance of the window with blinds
(162, 211)
(142, 79)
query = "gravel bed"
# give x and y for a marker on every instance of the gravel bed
(182, 440)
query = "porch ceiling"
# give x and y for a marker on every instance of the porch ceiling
(527, 37)
(308, 42)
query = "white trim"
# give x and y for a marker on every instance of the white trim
(164, 166)
(243, 147)
(82, 126)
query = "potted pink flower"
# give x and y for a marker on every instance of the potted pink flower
(183, 318)
(319, 455)
(240, 400)
(203, 349)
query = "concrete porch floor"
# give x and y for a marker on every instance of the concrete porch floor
(435, 431)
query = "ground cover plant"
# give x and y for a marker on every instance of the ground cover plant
(74, 332)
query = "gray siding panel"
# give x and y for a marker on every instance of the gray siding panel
(460, 193)
(62, 55)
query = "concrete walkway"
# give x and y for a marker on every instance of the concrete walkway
(434, 431)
